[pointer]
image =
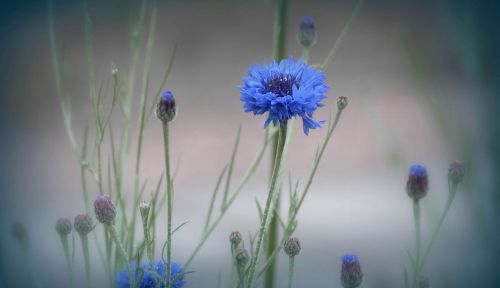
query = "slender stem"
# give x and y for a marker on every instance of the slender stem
(342, 35)
(248, 174)
(271, 199)
(416, 216)
(142, 118)
(290, 271)
(451, 195)
(121, 249)
(317, 161)
(147, 238)
(279, 52)
(67, 257)
(241, 276)
(295, 211)
(86, 257)
(170, 195)
(305, 54)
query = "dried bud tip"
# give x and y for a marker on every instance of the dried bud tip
(342, 102)
(144, 208)
(235, 238)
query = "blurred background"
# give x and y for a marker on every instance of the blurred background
(422, 79)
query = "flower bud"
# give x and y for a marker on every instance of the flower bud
(351, 275)
(307, 33)
(342, 102)
(144, 207)
(83, 224)
(292, 246)
(241, 256)
(105, 211)
(456, 172)
(418, 182)
(235, 238)
(63, 226)
(166, 109)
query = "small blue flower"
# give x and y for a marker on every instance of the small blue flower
(152, 277)
(285, 90)
(418, 182)
(166, 108)
(351, 275)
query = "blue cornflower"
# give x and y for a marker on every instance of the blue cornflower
(150, 277)
(285, 90)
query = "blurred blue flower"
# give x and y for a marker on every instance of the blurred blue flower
(351, 275)
(152, 277)
(286, 89)
(418, 182)
(418, 170)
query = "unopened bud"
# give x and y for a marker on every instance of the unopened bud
(307, 33)
(342, 102)
(166, 108)
(63, 226)
(418, 182)
(292, 246)
(351, 275)
(144, 207)
(104, 209)
(83, 224)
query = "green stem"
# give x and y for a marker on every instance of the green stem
(279, 52)
(248, 174)
(147, 239)
(290, 271)
(170, 195)
(305, 54)
(295, 211)
(142, 118)
(67, 257)
(416, 216)
(241, 276)
(86, 257)
(451, 195)
(271, 198)
(121, 249)
(342, 35)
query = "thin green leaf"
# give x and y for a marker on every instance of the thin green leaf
(214, 195)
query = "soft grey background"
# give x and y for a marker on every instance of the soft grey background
(412, 99)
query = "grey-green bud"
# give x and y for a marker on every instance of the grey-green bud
(292, 246)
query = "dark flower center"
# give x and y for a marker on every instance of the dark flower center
(281, 84)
